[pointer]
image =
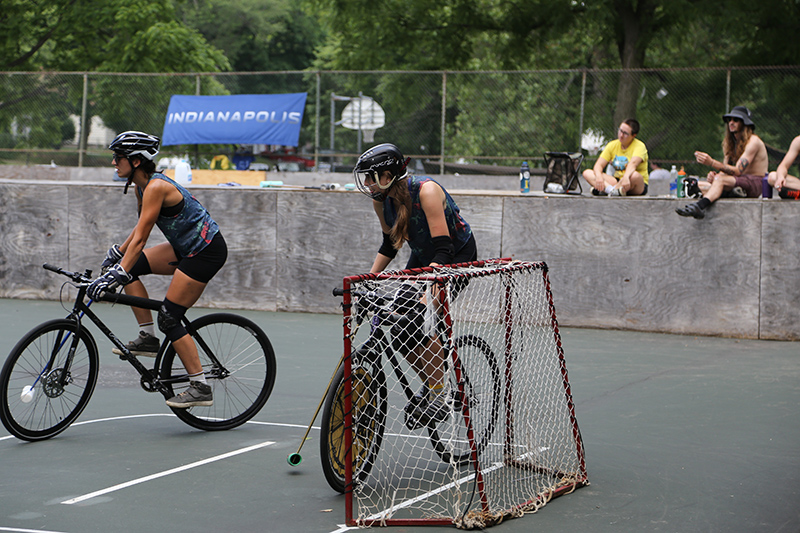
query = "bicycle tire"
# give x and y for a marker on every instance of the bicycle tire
(246, 353)
(53, 407)
(482, 387)
(369, 412)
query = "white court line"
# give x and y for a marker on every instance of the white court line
(388, 513)
(165, 473)
(19, 530)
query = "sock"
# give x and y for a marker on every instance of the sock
(199, 377)
(608, 189)
(436, 389)
(148, 328)
(703, 203)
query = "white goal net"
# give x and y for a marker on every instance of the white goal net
(455, 405)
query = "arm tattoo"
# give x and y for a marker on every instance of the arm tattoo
(743, 164)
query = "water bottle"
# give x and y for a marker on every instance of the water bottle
(673, 181)
(681, 193)
(524, 177)
(183, 172)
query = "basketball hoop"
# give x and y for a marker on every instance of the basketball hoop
(363, 113)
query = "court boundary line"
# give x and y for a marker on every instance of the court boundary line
(164, 473)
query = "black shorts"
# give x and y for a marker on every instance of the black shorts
(200, 267)
(206, 263)
(467, 254)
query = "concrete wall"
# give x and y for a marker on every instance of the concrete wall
(628, 263)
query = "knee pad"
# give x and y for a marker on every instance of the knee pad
(407, 333)
(169, 320)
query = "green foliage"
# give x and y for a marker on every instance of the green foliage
(92, 35)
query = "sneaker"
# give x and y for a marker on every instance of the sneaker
(144, 345)
(616, 192)
(595, 192)
(789, 194)
(197, 395)
(425, 409)
(691, 210)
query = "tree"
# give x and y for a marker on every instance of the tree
(87, 35)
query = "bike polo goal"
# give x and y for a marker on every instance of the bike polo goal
(455, 406)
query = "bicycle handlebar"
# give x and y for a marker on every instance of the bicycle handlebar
(112, 297)
(74, 276)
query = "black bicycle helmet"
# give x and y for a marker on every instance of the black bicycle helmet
(135, 144)
(131, 143)
(373, 162)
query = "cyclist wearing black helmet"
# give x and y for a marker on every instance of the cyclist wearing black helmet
(417, 210)
(194, 252)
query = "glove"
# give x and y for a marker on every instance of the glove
(113, 257)
(113, 278)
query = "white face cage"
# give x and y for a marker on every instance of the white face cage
(365, 179)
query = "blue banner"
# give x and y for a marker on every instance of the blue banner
(237, 119)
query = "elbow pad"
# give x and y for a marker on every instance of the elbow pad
(387, 248)
(443, 250)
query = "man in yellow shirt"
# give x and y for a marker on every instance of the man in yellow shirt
(628, 155)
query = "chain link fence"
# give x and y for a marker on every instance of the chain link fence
(467, 122)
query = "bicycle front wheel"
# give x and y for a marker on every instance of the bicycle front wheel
(47, 380)
(369, 420)
(480, 392)
(241, 371)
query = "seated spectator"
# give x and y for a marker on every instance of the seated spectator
(658, 173)
(787, 185)
(628, 156)
(745, 165)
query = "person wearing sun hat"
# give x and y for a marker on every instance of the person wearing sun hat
(739, 174)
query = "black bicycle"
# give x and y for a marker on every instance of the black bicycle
(51, 373)
(476, 395)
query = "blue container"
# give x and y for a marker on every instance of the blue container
(524, 177)
(766, 188)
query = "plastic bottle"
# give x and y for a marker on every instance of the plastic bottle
(680, 190)
(673, 181)
(183, 172)
(524, 177)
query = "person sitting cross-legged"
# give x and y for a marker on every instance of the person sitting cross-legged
(628, 155)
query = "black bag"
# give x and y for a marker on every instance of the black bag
(563, 172)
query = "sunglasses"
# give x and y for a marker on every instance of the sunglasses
(736, 119)
(118, 157)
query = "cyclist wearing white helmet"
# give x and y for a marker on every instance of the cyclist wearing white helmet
(417, 210)
(194, 252)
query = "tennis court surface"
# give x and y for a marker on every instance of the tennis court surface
(681, 433)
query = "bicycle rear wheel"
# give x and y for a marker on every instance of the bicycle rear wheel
(59, 392)
(369, 419)
(241, 385)
(480, 377)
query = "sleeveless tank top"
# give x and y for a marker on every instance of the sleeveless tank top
(192, 228)
(419, 233)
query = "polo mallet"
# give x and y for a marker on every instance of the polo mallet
(295, 458)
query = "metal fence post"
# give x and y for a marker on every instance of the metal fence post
(727, 92)
(444, 115)
(316, 126)
(84, 129)
(583, 103)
